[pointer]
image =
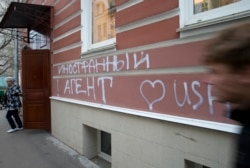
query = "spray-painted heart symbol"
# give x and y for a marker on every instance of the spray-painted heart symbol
(153, 85)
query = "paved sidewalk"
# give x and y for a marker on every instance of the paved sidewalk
(36, 149)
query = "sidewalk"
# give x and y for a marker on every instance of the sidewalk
(36, 148)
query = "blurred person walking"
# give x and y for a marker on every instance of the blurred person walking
(13, 104)
(228, 60)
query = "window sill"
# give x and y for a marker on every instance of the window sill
(101, 162)
(105, 50)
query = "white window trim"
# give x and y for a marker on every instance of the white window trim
(86, 33)
(188, 18)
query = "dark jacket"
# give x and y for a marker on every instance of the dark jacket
(243, 153)
(12, 98)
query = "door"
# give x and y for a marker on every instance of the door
(36, 89)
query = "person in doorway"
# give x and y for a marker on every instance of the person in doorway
(13, 104)
(227, 57)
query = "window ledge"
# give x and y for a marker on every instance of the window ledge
(213, 25)
(99, 51)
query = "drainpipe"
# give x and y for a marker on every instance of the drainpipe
(16, 51)
(16, 62)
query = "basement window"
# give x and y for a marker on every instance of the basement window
(104, 147)
(190, 164)
(97, 146)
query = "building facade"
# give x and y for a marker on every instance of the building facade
(126, 80)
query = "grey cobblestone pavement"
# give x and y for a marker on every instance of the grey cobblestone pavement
(36, 149)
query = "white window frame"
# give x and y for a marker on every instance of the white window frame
(86, 35)
(187, 17)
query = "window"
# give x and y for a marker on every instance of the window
(38, 40)
(197, 11)
(98, 22)
(203, 6)
(104, 145)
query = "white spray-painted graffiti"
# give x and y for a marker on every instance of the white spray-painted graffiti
(76, 86)
(86, 86)
(107, 64)
(185, 100)
(152, 84)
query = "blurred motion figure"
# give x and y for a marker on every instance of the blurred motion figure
(228, 60)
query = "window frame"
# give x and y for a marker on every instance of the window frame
(187, 17)
(101, 154)
(86, 31)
